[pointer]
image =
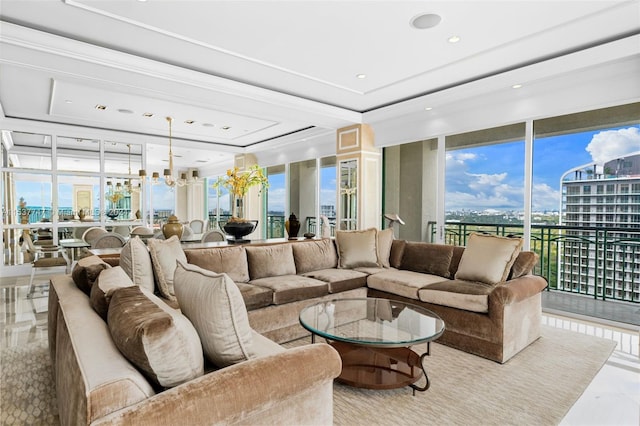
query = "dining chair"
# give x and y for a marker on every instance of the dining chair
(212, 236)
(44, 257)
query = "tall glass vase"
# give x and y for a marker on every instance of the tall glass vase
(238, 207)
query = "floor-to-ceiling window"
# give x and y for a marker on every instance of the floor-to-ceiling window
(484, 178)
(55, 186)
(303, 190)
(328, 196)
(275, 200)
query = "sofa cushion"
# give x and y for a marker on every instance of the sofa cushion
(270, 261)
(402, 283)
(215, 306)
(164, 254)
(229, 260)
(427, 258)
(466, 295)
(384, 242)
(136, 262)
(314, 255)
(291, 288)
(254, 296)
(339, 279)
(86, 271)
(109, 280)
(357, 248)
(395, 255)
(524, 264)
(488, 258)
(157, 339)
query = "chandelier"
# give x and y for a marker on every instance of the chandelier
(169, 179)
(118, 191)
(128, 185)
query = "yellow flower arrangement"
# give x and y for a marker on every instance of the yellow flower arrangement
(238, 182)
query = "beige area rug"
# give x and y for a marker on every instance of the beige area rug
(537, 387)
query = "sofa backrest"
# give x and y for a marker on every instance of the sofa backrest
(429, 258)
(229, 260)
(315, 255)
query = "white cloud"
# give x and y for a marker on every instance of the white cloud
(486, 179)
(545, 198)
(610, 144)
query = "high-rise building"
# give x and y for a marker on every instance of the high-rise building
(597, 253)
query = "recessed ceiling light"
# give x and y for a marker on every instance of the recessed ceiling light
(125, 111)
(101, 107)
(225, 127)
(361, 76)
(68, 101)
(516, 86)
(453, 39)
(425, 21)
(208, 125)
(147, 114)
(428, 108)
(189, 121)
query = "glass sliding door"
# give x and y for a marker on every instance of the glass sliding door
(303, 184)
(275, 201)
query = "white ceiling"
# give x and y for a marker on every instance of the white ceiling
(254, 75)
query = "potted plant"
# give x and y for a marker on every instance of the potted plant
(238, 183)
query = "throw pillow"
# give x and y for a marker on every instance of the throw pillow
(164, 254)
(157, 339)
(488, 258)
(214, 304)
(86, 271)
(108, 281)
(357, 248)
(384, 242)
(395, 255)
(135, 260)
(427, 258)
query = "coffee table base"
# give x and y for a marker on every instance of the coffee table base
(381, 368)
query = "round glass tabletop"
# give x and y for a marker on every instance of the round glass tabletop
(372, 322)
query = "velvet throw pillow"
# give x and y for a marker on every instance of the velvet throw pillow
(86, 271)
(427, 258)
(135, 260)
(157, 339)
(383, 243)
(357, 248)
(108, 281)
(164, 254)
(214, 304)
(488, 258)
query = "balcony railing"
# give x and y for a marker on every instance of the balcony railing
(600, 262)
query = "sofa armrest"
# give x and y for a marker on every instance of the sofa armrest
(295, 386)
(518, 289)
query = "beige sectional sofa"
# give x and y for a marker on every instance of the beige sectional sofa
(96, 383)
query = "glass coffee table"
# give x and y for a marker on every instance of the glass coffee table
(373, 337)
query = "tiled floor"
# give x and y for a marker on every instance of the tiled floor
(613, 397)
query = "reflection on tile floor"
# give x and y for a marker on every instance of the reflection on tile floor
(612, 398)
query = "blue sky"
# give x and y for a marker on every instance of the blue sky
(492, 177)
